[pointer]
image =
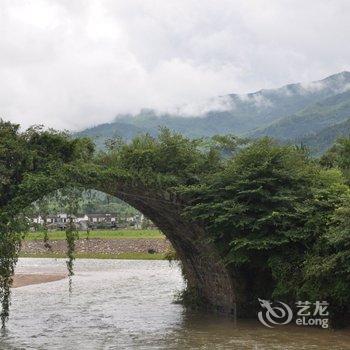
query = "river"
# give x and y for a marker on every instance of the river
(124, 304)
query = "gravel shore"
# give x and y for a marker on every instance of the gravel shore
(92, 245)
(96, 245)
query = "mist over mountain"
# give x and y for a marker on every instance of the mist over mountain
(312, 119)
(292, 112)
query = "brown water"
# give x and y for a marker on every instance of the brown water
(121, 304)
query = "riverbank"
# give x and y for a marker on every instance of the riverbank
(125, 256)
(100, 248)
(21, 280)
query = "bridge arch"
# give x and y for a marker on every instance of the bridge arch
(207, 277)
(209, 281)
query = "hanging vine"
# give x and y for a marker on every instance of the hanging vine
(44, 211)
(9, 248)
(33, 164)
(71, 237)
(71, 197)
(10, 244)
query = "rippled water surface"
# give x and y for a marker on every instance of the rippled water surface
(122, 304)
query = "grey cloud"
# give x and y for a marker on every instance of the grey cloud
(70, 64)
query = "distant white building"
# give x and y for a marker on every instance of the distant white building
(100, 218)
(60, 221)
(51, 219)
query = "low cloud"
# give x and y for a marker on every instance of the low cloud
(313, 86)
(257, 99)
(71, 64)
(201, 108)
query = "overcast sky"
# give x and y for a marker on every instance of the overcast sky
(76, 63)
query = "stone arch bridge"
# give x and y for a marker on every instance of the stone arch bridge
(207, 276)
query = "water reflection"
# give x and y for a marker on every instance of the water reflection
(119, 304)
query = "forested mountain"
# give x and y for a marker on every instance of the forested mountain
(312, 119)
(324, 139)
(102, 132)
(294, 111)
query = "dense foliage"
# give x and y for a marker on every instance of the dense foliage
(277, 216)
(338, 156)
(32, 164)
(279, 219)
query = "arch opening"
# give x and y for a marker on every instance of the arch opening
(209, 282)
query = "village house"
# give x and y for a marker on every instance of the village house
(82, 222)
(101, 220)
(92, 221)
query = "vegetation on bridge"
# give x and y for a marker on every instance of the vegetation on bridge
(279, 219)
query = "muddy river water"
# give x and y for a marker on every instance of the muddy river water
(124, 304)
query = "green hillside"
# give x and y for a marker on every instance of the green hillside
(324, 139)
(103, 132)
(312, 119)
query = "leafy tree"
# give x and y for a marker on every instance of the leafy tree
(327, 265)
(32, 164)
(169, 159)
(266, 211)
(338, 156)
(270, 209)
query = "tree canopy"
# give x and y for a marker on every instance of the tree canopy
(32, 164)
(279, 218)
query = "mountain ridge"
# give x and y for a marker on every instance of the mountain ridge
(330, 111)
(307, 107)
